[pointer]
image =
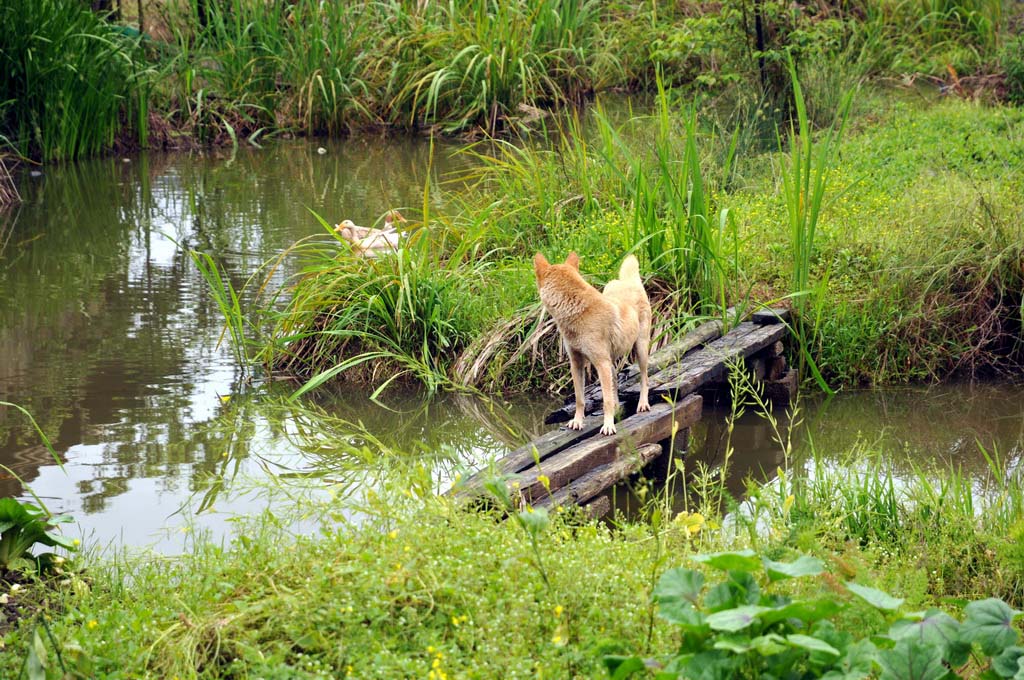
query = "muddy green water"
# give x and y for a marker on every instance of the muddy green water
(109, 338)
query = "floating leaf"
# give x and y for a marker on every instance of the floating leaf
(990, 624)
(876, 598)
(802, 566)
(911, 659)
(732, 620)
(744, 560)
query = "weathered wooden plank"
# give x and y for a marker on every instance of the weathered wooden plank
(765, 317)
(574, 462)
(581, 490)
(539, 449)
(708, 364)
(660, 360)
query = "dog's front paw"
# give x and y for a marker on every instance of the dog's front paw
(576, 424)
(608, 428)
(643, 405)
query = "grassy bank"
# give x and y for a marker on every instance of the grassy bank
(227, 71)
(907, 266)
(418, 587)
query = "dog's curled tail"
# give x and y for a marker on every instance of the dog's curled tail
(630, 269)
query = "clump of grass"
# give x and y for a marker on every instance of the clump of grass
(404, 314)
(73, 84)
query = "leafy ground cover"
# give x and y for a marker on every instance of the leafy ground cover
(849, 565)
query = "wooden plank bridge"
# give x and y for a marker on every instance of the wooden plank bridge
(575, 466)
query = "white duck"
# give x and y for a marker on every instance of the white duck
(379, 241)
(350, 231)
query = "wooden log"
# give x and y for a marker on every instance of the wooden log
(774, 350)
(708, 364)
(774, 315)
(776, 368)
(599, 507)
(643, 428)
(659, 360)
(526, 455)
(783, 390)
(600, 478)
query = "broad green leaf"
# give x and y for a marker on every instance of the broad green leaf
(932, 627)
(745, 586)
(36, 663)
(769, 645)
(876, 598)
(714, 664)
(856, 663)
(990, 624)
(732, 620)
(736, 645)
(743, 560)
(811, 644)
(623, 666)
(679, 583)
(802, 566)
(720, 597)
(911, 659)
(807, 612)
(1009, 662)
(681, 613)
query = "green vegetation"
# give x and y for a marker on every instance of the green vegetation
(899, 243)
(401, 582)
(22, 526)
(71, 85)
(227, 71)
(741, 628)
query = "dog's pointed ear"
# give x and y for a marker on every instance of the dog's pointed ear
(573, 260)
(540, 266)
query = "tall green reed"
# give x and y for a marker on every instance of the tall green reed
(474, 63)
(804, 180)
(73, 84)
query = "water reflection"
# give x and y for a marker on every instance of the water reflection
(109, 338)
(108, 335)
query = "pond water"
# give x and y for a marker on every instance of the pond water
(109, 338)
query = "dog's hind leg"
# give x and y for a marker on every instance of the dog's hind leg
(643, 348)
(610, 398)
(577, 366)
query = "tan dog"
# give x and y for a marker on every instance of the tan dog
(598, 327)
